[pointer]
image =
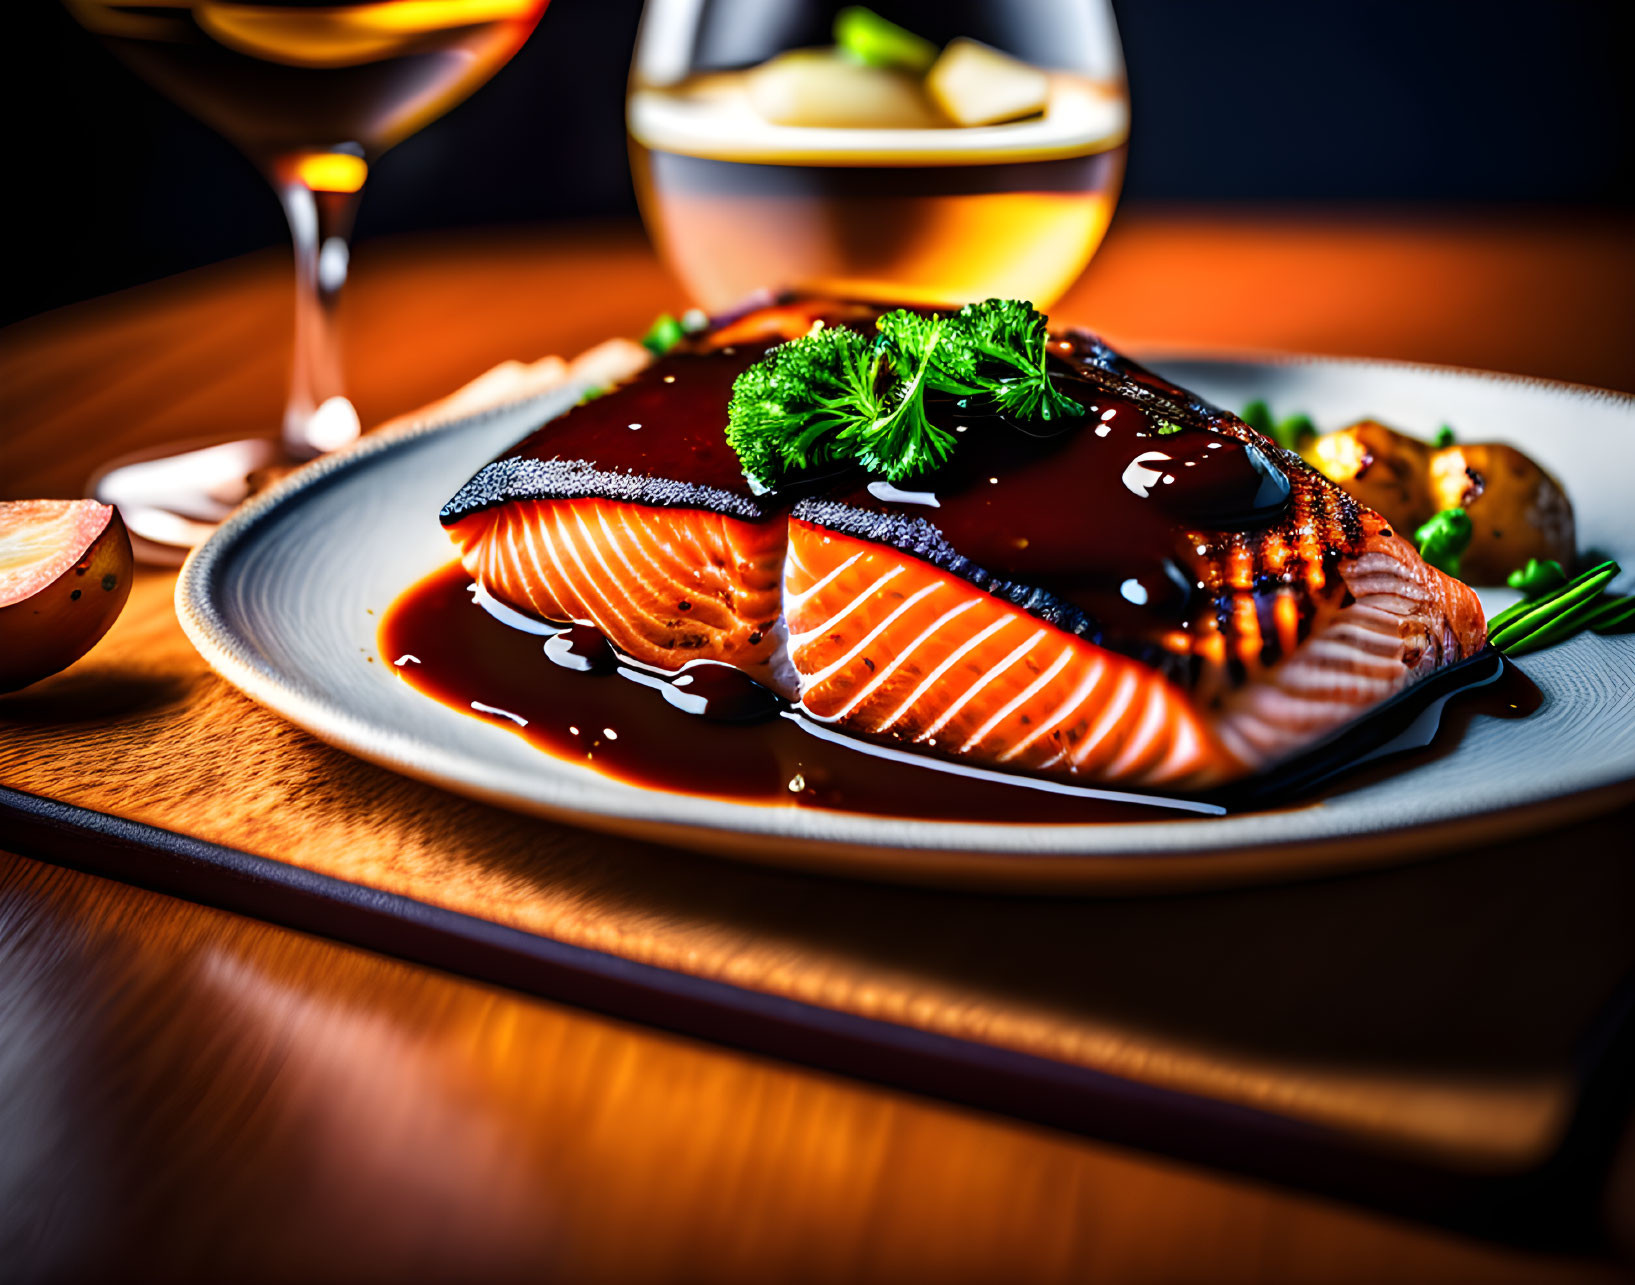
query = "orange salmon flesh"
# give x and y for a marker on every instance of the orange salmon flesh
(875, 641)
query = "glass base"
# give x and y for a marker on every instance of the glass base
(174, 496)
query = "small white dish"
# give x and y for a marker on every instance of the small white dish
(284, 601)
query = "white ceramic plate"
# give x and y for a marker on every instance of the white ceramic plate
(279, 601)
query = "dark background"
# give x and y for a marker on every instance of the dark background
(1317, 101)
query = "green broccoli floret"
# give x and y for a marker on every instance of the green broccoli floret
(901, 441)
(1293, 431)
(790, 409)
(836, 395)
(993, 350)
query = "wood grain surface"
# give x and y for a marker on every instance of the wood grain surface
(1439, 1010)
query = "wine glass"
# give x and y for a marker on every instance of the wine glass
(313, 94)
(934, 151)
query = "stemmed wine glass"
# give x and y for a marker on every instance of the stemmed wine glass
(313, 94)
(932, 151)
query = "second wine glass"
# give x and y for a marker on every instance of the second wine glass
(934, 152)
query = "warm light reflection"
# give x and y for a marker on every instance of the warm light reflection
(345, 35)
(331, 171)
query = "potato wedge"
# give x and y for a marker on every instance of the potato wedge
(1386, 470)
(1517, 510)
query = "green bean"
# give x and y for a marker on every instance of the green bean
(1558, 628)
(1613, 616)
(1512, 613)
(1580, 591)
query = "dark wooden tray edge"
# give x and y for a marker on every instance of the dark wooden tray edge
(1554, 1206)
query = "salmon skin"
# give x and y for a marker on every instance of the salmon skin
(1156, 597)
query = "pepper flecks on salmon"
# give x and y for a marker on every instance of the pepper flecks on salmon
(1157, 596)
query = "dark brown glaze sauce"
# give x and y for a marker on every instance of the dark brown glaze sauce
(1116, 524)
(665, 422)
(577, 707)
(628, 730)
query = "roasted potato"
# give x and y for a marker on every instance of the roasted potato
(1386, 470)
(1517, 510)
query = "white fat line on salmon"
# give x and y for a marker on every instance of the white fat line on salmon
(829, 671)
(518, 719)
(1183, 753)
(948, 663)
(879, 679)
(406, 659)
(541, 577)
(509, 616)
(612, 581)
(987, 677)
(793, 600)
(590, 582)
(618, 545)
(661, 582)
(552, 569)
(606, 619)
(656, 582)
(792, 558)
(797, 641)
(595, 547)
(1062, 712)
(669, 581)
(1143, 736)
(809, 725)
(1112, 714)
(1020, 699)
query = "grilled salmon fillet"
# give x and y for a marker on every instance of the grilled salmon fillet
(1159, 599)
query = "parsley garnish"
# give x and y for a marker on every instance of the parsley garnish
(838, 396)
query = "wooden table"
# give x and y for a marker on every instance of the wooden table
(208, 1095)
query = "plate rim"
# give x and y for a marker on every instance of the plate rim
(1142, 855)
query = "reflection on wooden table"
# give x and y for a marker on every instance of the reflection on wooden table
(203, 1093)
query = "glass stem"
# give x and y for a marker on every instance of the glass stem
(318, 416)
